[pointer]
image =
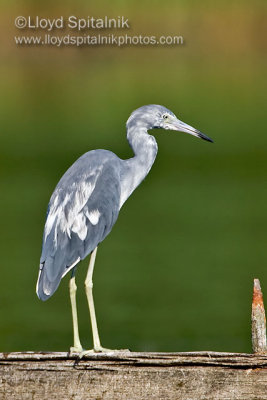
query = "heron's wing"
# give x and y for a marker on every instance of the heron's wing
(81, 213)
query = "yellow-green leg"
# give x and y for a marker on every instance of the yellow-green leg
(89, 294)
(77, 347)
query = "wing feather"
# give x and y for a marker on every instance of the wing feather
(81, 212)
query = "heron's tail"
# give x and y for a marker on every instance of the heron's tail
(49, 277)
(47, 284)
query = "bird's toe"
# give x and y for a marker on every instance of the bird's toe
(100, 349)
(76, 349)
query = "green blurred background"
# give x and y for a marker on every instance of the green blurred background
(176, 273)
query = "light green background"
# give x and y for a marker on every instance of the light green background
(176, 273)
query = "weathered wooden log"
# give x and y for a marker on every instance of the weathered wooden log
(126, 375)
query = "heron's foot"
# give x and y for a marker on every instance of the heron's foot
(76, 349)
(100, 349)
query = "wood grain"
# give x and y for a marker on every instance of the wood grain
(133, 376)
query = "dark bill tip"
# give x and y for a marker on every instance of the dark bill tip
(202, 136)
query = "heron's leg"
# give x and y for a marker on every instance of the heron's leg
(89, 294)
(77, 347)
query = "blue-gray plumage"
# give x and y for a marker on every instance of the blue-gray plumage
(81, 213)
(87, 200)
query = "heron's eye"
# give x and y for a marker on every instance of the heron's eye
(165, 116)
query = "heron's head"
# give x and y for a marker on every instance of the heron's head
(155, 116)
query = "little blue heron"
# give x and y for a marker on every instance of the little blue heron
(86, 203)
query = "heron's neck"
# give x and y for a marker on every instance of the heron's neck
(136, 169)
